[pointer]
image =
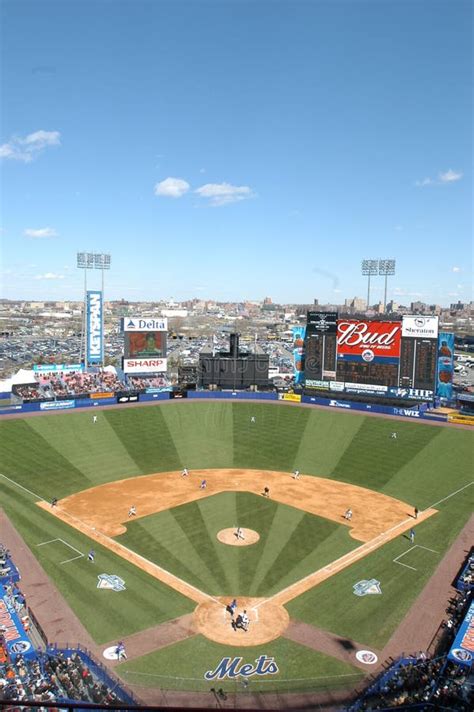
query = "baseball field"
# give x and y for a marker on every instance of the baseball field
(180, 561)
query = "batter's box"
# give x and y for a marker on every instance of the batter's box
(414, 557)
(78, 554)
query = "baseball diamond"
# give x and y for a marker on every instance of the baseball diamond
(193, 592)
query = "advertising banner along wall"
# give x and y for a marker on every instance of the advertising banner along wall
(298, 352)
(445, 370)
(368, 341)
(94, 327)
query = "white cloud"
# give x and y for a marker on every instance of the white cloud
(172, 187)
(49, 275)
(30, 147)
(455, 269)
(449, 176)
(224, 193)
(40, 232)
(423, 182)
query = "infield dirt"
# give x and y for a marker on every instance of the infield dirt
(102, 512)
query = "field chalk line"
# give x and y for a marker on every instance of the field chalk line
(396, 560)
(51, 541)
(366, 546)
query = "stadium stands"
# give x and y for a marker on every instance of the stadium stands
(419, 682)
(49, 675)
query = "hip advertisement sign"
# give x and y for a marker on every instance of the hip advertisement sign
(94, 327)
(368, 341)
(420, 327)
(445, 371)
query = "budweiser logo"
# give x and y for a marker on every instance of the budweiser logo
(359, 334)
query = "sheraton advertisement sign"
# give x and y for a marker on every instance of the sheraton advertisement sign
(368, 340)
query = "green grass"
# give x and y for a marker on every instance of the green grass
(107, 615)
(183, 666)
(372, 619)
(57, 455)
(183, 540)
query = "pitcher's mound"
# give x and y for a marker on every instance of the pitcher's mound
(229, 536)
(268, 620)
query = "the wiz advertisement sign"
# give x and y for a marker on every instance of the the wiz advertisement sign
(94, 327)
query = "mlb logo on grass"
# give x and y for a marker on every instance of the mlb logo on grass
(109, 581)
(364, 588)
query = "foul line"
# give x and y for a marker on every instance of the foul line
(417, 546)
(451, 495)
(17, 484)
(66, 544)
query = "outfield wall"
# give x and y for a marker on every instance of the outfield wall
(123, 399)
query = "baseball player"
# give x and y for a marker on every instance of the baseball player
(231, 607)
(416, 512)
(266, 492)
(348, 514)
(132, 511)
(203, 484)
(94, 419)
(393, 436)
(245, 621)
(412, 536)
(296, 475)
(54, 502)
(252, 419)
(91, 556)
(239, 533)
(185, 472)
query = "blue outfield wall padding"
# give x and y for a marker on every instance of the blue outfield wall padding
(370, 408)
(231, 395)
(155, 396)
(5, 394)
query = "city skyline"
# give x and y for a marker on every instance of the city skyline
(237, 154)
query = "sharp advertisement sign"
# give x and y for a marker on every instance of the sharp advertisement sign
(94, 318)
(148, 324)
(144, 365)
(368, 341)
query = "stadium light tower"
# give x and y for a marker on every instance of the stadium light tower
(369, 269)
(386, 269)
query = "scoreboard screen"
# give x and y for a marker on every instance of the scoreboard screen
(381, 374)
(425, 363)
(144, 344)
(418, 363)
(313, 367)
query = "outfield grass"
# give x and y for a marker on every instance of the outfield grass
(183, 665)
(57, 455)
(184, 541)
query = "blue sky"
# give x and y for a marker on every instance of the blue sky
(235, 150)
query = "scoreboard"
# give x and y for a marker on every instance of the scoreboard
(397, 358)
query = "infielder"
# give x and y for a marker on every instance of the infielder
(132, 511)
(185, 472)
(203, 484)
(296, 475)
(348, 514)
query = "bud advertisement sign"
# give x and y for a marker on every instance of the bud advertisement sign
(94, 327)
(368, 341)
(420, 327)
(299, 333)
(444, 387)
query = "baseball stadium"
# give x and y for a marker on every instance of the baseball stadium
(249, 554)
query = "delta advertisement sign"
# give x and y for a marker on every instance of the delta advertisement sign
(368, 341)
(148, 324)
(144, 365)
